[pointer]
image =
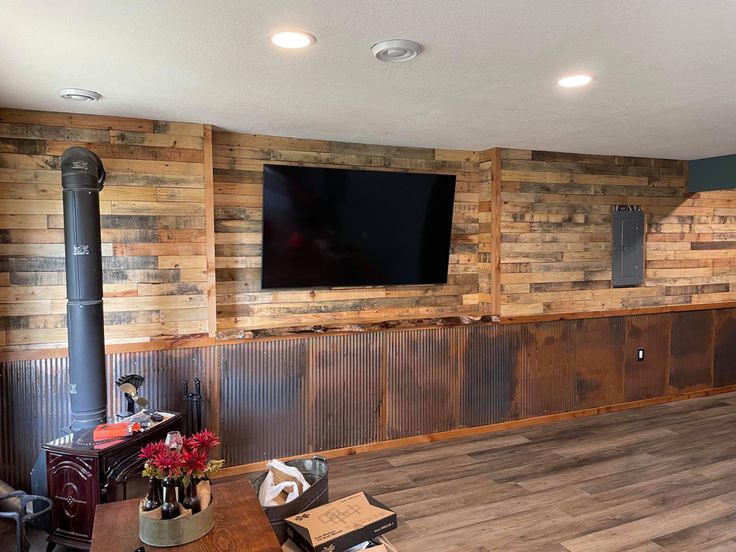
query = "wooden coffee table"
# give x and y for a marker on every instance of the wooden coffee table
(240, 524)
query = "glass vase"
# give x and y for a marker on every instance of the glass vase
(169, 505)
(153, 498)
(191, 500)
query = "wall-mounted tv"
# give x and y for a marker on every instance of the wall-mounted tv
(341, 227)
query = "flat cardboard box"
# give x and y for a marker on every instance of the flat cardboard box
(289, 546)
(341, 524)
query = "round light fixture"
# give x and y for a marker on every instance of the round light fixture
(79, 95)
(395, 50)
(292, 39)
(573, 81)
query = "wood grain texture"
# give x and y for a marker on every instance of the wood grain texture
(182, 217)
(238, 178)
(556, 234)
(240, 524)
(487, 233)
(260, 466)
(655, 478)
(496, 234)
(153, 211)
(209, 204)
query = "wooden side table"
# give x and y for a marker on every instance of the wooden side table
(240, 525)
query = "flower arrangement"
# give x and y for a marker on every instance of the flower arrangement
(191, 462)
(176, 466)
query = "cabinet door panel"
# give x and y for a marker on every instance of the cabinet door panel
(73, 487)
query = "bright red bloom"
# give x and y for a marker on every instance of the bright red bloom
(169, 462)
(195, 462)
(151, 450)
(187, 444)
(204, 440)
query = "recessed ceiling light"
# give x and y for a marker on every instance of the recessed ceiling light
(292, 39)
(574, 81)
(395, 50)
(79, 95)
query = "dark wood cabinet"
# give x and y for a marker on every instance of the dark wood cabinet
(81, 475)
(72, 481)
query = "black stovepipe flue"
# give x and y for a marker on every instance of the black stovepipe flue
(82, 178)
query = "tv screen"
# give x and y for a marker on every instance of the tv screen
(340, 227)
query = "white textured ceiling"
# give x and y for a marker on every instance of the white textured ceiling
(665, 69)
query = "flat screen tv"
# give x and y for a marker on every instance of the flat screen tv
(341, 227)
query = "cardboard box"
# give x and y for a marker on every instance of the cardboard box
(289, 546)
(338, 525)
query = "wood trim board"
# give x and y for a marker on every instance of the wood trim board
(296, 333)
(209, 213)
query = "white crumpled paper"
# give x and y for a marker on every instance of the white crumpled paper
(282, 484)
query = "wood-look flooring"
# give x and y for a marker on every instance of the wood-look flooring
(655, 478)
(645, 480)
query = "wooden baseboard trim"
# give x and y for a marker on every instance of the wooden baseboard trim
(243, 469)
(156, 345)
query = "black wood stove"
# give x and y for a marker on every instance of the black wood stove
(79, 473)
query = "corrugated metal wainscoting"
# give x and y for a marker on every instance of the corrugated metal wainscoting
(289, 396)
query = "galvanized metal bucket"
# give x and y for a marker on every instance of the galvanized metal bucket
(315, 472)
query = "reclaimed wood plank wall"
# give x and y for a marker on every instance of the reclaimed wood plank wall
(153, 227)
(181, 218)
(238, 176)
(555, 225)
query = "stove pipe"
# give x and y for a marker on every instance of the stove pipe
(82, 177)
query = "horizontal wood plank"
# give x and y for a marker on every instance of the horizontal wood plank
(152, 209)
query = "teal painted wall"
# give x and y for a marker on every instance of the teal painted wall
(711, 173)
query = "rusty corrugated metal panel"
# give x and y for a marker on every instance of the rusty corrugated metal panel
(423, 379)
(35, 402)
(489, 375)
(692, 350)
(289, 396)
(346, 391)
(648, 378)
(34, 408)
(545, 368)
(724, 367)
(599, 360)
(263, 394)
(164, 371)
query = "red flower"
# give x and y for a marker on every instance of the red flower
(188, 444)
(204, 440)
(195, 462)
(151, 450)
(169, 462)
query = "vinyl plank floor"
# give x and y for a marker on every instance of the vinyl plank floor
(660, 478)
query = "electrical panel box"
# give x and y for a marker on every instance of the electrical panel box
(628, 247)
